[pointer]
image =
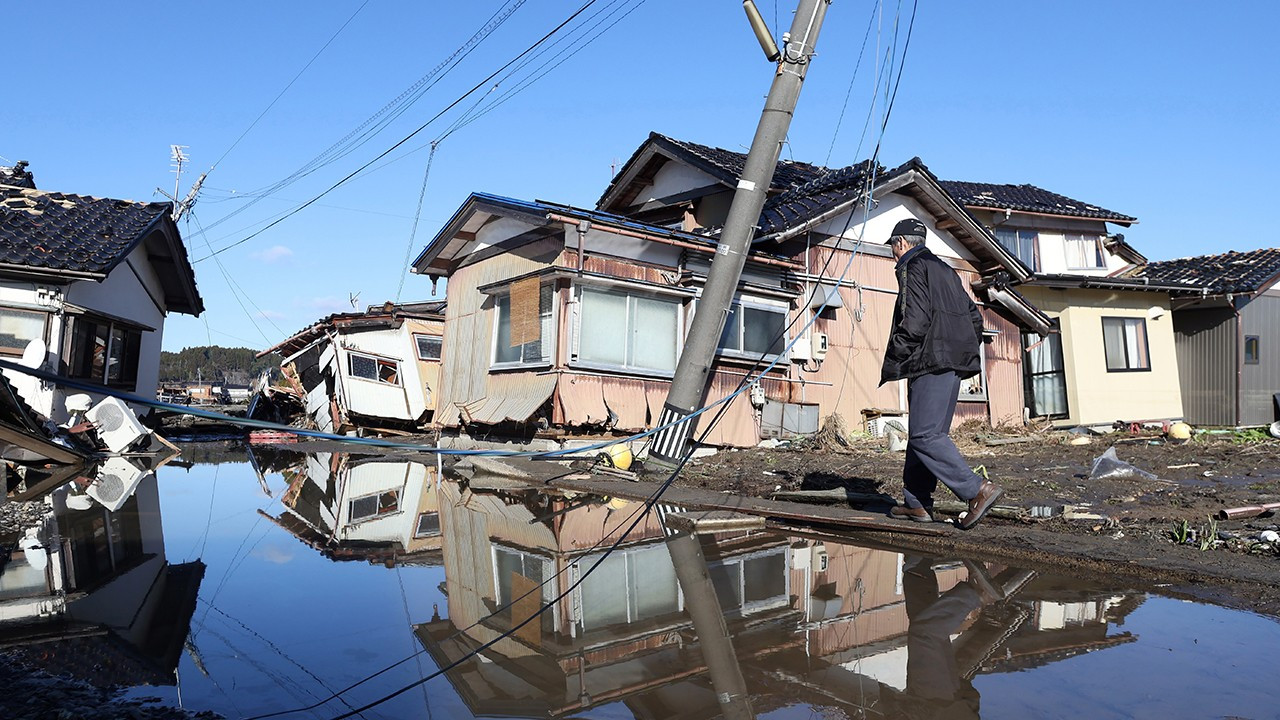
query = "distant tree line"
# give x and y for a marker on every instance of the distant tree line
(236, 366)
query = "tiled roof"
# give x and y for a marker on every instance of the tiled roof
(76, 233)
(808, 200)
(18, 175)
(1232, 272)
(1027, 198)
(727, 164)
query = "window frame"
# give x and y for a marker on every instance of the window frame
(1034, 239)
(418, 532)
(1146, 344)
(547, 344)
(1029, 376)
(633, 581)
(982, 397)
(379, 362)
(417, 346)
(740, 604)
(44, 329)
(677, 303)
(378, 512)
(1254, 358)
(741, 304)
(80, 364)
(1098, 251)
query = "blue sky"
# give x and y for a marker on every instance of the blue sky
(1165, 111)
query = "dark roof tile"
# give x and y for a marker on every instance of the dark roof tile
(1231, 272)
(60, 231)
(1027, 198)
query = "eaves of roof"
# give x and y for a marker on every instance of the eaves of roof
(1062, 280)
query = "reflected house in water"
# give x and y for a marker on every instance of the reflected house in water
(813, 620)
(89, 591)
(374, 509)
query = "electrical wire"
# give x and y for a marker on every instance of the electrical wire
(279, 95)
(412, 134)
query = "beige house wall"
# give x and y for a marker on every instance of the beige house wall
(1096, 396)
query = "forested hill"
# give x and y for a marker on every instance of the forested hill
(237, 366)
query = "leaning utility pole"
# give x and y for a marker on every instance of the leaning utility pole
(688, 387)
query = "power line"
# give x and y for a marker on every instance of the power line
(411, 135)
(291, 82)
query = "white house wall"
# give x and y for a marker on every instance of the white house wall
(375, 398)
(887, 213)
(673, 178)
(122, 294)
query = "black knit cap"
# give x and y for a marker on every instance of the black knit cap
(910, 226)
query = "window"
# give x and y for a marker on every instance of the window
(104, 351)
(371, 506)
(19, 327)
(1045, 376)
(1084, 252)
(754, 331)
(428, 525)
(1022, 243)
(428, 346)
(367, 367)
(1125, 342)
(1252, 349)
(753, 582)
(629, 586)
(514, 572)
(627, 331)
(974, 389)
(534, 352)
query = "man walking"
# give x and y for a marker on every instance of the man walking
(933, 346)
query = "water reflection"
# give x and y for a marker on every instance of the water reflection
(812, 621)
(88, 591)
(331, 572)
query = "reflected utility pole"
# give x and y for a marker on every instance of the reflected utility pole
(708, 622)
(693, 371)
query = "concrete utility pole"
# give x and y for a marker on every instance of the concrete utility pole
(689, 386)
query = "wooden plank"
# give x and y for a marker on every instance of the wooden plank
(707, 500)
(839, 495)
(54, 452)
(55, 480)
(713, 521)
(527, 603)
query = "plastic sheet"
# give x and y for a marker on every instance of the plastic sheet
(1109, 467)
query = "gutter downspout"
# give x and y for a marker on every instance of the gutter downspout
(584, 226)
(1239, 355)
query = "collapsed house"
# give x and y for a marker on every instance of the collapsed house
(378, 368)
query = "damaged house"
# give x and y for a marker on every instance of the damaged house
(1226, 327)
(85, 286)
(573, 318)
(378, 368)
(1111, 354)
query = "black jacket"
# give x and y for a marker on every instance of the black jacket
(936, 326)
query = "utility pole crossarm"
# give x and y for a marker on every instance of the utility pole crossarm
(693, 371)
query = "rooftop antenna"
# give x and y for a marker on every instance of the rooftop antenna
(178, 158)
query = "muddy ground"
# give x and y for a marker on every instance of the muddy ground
(1155, 532)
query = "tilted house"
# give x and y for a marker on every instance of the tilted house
(92, 279)
(1112, 357)
(569, 317)
(377, 368)
(1226, 329)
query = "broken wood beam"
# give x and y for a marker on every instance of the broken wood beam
(713, 521)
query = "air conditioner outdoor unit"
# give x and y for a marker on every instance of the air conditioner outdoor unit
(117, 425)
(117, 479)
(879, 426)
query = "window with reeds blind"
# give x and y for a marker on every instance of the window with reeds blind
(524, 332)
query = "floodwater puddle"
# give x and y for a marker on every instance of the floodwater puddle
(328, 585)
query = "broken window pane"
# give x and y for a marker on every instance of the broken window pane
(362, 366)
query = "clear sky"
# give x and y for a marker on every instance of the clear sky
(1166, 111)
